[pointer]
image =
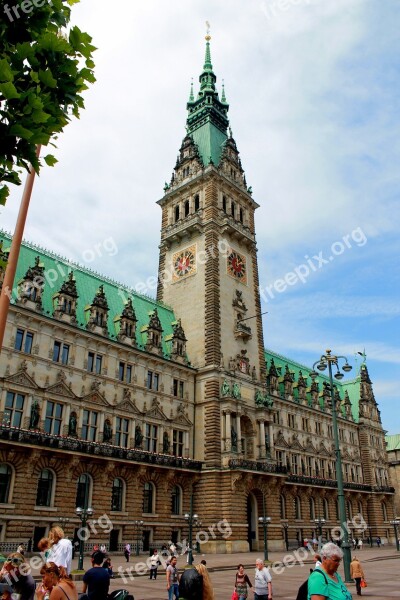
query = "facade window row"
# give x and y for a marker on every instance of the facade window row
(232, 208)
(186, 208)
(46, 488)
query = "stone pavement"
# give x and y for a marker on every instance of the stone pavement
(381, 567)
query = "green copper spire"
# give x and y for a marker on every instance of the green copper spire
(223, 97)
(207, 121)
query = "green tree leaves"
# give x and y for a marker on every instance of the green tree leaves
(43, 72)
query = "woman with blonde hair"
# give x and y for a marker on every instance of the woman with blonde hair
(208, 592)
(56, 584)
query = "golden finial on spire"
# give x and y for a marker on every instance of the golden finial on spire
(208, 36)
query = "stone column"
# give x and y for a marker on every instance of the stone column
(239, 434)
(228, 440)
(262, 439)
(271, 439)
(67, 414)
(187, 444)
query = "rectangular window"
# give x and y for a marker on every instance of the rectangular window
(352, 437)
(128, 378)
(295, 464)
(60, 352)
(125, 372)
(121, 371)
(153, 380)
(89, 425)
(24, 341)
(277, 417)
(151, 438)
(306, 424)
(330, 431)
(178, 388)
(122, 432)
(53, 419)
(292, 421)
(309, 466)
(178, 442)
(280, 458)
(94, 363)
(318, 428)
(14, 409)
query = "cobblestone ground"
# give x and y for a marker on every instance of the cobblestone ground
(381, 567)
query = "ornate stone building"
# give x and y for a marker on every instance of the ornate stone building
(393, 451)
(134, 406)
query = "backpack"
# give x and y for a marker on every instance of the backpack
(302, 593)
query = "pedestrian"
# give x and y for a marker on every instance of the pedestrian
(127, 552)
(60, 549)
(14, 573)
(56, 584)
(154, 564)
(378, 541)
(96, 581)
(241, 582)
(360, 544)
(44, 548)
(325, 581)
(318, 561)
(191, 584)
(208, 592)
(21, 549)
(356, 573)
(103, 548)
(6, 595)
(172, 548)
(107, 565)
(173, 579)
(262, 582)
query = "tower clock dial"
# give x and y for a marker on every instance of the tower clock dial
(236, 266)
(184, 263)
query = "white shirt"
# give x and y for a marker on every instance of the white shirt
(61, 554)
(261, 580)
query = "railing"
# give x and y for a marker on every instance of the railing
(252, 465)
(384, 488)
(39, 438)
(327, 482)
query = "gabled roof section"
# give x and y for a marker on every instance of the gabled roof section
(298, 371)
(56, 272)
(392, 442)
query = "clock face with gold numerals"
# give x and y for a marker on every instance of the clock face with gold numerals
(184, 263)
(236, 266)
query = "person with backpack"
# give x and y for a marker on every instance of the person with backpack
(325, 582)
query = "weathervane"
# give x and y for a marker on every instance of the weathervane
(208, 36)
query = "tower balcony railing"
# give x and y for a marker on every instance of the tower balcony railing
(102, 450)
(320, 481)
(191, 223)
(238, 229)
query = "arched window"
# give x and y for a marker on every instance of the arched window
(312, 509)
(196, 202)
(297, 507)
(45, 488)
(117, 495)
(5, 483)
(176, 213)
(349, 509)
(176, 500)
(283, 506)
(148, 498)
(384, 511)
(84, 491)
(187, 208)
(325, 507)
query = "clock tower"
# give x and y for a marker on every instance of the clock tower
(208, 274)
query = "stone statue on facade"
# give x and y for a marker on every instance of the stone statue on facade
(166, 443)
(34, 419)
(72, 424)
(225, 389)
(236, 393)
(138, 437)
(234, 439)
(107, 432)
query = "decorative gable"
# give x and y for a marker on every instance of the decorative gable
(156, 412)
(22, 378)
(61, 389)
(280, 440)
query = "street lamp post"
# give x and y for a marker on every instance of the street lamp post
(327, 360)
(84, 514)
(285, 531)
(319, 523)
(138, 532)
(265, 521)
(396, 523)
(192, 519)
(63, 522)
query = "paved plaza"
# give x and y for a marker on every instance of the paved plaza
(381, 567)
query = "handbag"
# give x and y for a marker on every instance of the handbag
(363, 583)
(235, 595)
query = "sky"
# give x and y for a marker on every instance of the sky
(313, 88)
